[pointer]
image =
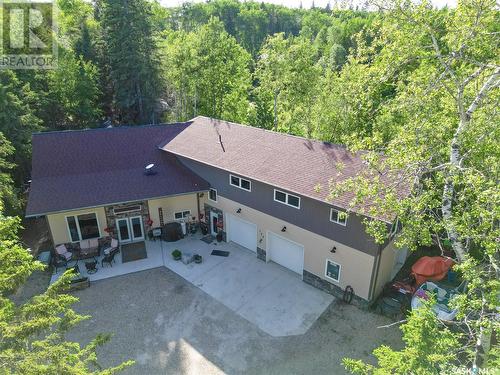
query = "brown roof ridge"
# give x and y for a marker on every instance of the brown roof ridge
(110, 128)
(340, 145)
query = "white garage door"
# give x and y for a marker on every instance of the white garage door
(242, 232)
(287, 253)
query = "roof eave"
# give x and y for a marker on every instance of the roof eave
(32, 215)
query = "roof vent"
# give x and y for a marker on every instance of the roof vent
(150, 170)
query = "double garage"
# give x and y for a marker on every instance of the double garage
(280, 250)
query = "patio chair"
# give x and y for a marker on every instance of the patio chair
(114, 246)
(89, 248)
(63, 252)
(59, 261)
(109, 258)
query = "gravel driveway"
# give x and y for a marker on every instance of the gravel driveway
(168, 326)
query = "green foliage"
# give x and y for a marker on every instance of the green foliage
(17, 120)
(431, 88)
(8, 198)
(287, 75)
(32, 335)
(429, 348)
(209, 72)
(134, 65)
(74, 93)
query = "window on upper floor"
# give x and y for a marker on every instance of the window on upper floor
(240, 182)
(212, 195)
(286, 198)
(338, 217)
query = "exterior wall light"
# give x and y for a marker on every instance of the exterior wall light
(283, 229)
(334, 249)
(238, 210)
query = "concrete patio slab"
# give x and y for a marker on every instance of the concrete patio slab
(268, 295)
(273, 298)
(154, 259)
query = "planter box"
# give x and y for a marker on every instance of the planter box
(81, 283)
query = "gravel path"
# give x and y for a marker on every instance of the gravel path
(171, 327)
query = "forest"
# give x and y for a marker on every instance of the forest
(415, 84)
(253, 63)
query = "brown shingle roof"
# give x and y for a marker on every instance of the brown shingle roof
(292, 163)
(87, 168)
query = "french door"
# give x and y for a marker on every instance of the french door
(130, 229)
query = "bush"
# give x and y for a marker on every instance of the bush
(176, 254)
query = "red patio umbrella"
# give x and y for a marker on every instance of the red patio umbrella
(431, 268)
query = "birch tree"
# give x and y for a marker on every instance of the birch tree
(442, 154)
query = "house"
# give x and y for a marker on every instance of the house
(256, 187)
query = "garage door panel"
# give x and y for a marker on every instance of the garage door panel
(243, 233)
(286, 253)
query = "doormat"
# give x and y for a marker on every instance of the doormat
(220, 253)
(208, 239)
(134, 251)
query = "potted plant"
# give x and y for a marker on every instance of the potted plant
(176, 254)
(198, 258)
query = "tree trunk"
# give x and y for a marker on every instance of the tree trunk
(139, 101)
(484, 338)
(275, 111)
(455, 157)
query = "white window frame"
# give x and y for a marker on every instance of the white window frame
(182, 214)
(75, 216)
(338, 212)
(286, 198)
(326, 269)
(127, 209)
(216, 195)
(239, 180)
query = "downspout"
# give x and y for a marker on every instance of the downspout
(49, 230)
(198, 205)
(374, 277)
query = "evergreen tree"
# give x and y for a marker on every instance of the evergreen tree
(133, 60)
(32, 334)
(18, 120)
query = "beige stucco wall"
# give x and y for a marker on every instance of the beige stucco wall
(170, 205)
(387, 263)
(59, 228)
(356, 266)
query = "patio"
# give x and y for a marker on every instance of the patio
(271, 297)
(154, 259)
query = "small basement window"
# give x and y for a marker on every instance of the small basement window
(212, 195)
(285, 198)
(332, 270)
(240, 182)
(182, 214)
(338, 217)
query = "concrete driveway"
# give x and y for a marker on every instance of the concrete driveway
(168, 326)
(272, 297)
